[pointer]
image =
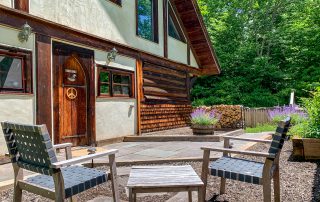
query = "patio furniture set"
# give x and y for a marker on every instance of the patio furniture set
(30, 148)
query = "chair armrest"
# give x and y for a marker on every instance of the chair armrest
(66, 147)
(82, 159)
(247, 139)
(62, 146)
(234, 151)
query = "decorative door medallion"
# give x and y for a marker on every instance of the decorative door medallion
(72, 93)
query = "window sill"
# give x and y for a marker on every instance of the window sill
(21, 95)
(115, 98)
(172, 38)
(155, 42)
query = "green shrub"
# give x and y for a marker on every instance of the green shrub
(202, 117)
(310, 128)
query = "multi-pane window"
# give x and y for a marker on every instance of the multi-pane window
(147, 19)
(15, 72)
(115, 83)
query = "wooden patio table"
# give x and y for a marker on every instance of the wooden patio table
(149, 179)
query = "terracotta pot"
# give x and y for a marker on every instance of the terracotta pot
(202, 130)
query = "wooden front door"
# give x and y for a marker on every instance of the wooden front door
(71, 96)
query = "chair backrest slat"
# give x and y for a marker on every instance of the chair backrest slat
(280, 136)
(30, 146)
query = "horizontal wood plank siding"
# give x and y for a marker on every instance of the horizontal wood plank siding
(166, 102)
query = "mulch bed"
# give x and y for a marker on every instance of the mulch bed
(300, 181)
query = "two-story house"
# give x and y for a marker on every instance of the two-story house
(94, 71)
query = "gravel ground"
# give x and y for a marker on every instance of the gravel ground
(300, 181)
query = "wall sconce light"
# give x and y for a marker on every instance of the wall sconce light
(24, 33)
(111, 56)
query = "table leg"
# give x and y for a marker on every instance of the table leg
(190, 196)
(130, 195)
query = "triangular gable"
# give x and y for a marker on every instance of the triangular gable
(191, 18)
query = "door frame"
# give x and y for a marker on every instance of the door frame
(62, 48)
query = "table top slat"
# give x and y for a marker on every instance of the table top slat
(163, 176)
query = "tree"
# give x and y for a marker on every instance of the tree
(265, 49)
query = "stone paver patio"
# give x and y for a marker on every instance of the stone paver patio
(147, 152)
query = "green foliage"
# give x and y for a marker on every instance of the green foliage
(310, 128)
(295, 119)
(261, 128)
(204, 121)
(202, 117)
(145, 19)
(265, 49)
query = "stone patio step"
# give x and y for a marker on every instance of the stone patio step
(191, 138)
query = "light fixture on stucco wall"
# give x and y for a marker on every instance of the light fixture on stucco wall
(24, 33)
(111, 56)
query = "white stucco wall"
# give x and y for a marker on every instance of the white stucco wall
(193, 61)
(101, 18)
(18, 108)
(7, 3)
(115, 117)
(177, 50)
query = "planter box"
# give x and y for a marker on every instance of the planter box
(297, 147)
(309, 148)
(202, 130)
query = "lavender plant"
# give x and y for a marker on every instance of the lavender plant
(202, 117)
(279, 113)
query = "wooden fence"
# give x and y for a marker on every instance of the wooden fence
(254, 116)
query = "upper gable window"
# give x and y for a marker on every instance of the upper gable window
(174, 28)
(147, 19)
(119, 2)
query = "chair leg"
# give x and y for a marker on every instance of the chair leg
(200, 194)
(266, 190)
(205, 171)
(114, 178)
(276, 185)
(18, 175)
(223, 186)
(17, 193)
(73, 199)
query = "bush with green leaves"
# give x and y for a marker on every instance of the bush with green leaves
(309, 128)
(280, 113)
(202, 117)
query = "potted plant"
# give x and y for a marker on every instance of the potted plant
(203, 122)
(306, 134)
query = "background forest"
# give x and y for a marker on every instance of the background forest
(265, 48)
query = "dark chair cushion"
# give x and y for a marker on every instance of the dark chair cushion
(237, 169)
(76, 179)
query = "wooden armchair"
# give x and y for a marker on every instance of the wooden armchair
(30, 148)
(228, 167)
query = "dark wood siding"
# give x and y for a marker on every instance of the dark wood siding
(43, 76)
(165, 103)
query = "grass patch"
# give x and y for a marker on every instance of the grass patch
(261, 128)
